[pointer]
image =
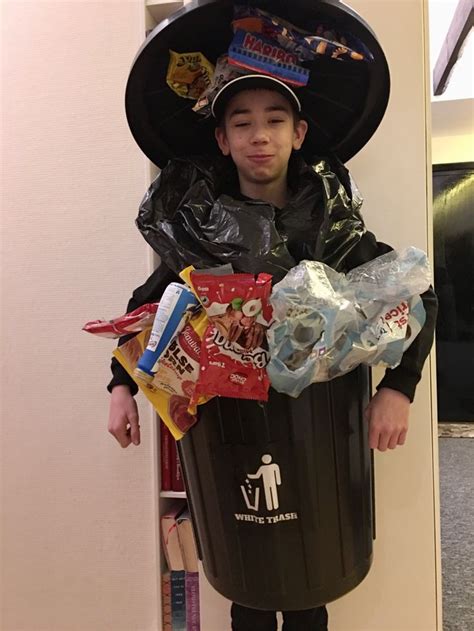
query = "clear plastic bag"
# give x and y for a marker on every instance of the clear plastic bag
(327, 323)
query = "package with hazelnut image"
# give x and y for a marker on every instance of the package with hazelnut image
(234, 350)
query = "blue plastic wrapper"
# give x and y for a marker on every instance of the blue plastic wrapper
(327, 323)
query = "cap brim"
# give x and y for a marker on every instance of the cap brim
(251, 82)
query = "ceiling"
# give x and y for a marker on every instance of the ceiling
(461, 82)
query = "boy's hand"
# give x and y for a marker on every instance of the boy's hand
(123, 417)
(387, 415)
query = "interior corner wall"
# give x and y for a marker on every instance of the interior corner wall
(449, 149)
(453, 131)
(78, 511)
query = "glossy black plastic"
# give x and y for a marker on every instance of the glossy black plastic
(316, 545)
(344, 102)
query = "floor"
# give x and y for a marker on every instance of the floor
(456, 456)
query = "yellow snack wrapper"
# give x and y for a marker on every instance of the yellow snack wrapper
(173, 384)
(189, 74)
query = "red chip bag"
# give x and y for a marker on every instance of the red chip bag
(234, 350)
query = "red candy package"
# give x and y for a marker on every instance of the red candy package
(234, 350)
(132, 322)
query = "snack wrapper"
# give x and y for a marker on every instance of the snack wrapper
(173, 386)
(260, 54)
(176, 306)
(224, 73)
(189, 74)
(234, 351)
(133, 322)
(174, 383)
(326, 323)
(326, 40)
(266, 44)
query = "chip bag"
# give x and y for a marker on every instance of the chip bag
(174, 383)
(173, 386)
(234, 352)
(189, 74)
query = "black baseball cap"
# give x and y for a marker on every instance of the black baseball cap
(252, 82)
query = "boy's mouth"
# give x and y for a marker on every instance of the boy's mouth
(260, 157)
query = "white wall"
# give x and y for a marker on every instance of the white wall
(452, 131)
(78, 512)
(402, 592)
(78, 540)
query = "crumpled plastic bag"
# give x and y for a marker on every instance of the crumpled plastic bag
(327, 323)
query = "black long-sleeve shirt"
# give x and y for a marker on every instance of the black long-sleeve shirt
(403, 378)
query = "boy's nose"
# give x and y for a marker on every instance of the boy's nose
(260, 135)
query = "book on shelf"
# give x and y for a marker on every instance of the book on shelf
(166, 601)
(183, 576)
(171, 476)
(178, 600)
(187, 541)
(193, 615)
(177, 482)
(190, 562)
(165, 450)
(169, 532)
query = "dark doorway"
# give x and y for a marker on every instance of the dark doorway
(453, 217)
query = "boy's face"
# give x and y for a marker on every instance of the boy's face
(259, 132)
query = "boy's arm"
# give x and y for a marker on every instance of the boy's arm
(124, 422)
(405, 377)
(407, 374)
(388, 410)
(150, 291)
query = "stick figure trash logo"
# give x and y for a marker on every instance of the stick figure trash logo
(269, 472)
(263, 485)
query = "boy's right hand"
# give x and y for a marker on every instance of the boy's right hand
(123, 417)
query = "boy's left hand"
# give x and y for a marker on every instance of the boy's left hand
(387, 415)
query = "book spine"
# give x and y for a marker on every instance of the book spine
(193, 622)
(166, 601)
(177, 482)
(165, 440)
(178, 600)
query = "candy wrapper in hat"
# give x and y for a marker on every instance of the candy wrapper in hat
(189, 74)
(266, 45)
(343, 100)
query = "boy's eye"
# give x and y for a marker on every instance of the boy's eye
(277, 120)
(242, 124)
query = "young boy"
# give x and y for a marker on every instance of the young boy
(259, 127)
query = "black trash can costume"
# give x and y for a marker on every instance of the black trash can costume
(301, 535)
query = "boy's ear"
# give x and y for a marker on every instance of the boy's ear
(221, 138)
(301, 128)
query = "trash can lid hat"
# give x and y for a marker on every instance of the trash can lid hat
(252, 82)
(342, 101)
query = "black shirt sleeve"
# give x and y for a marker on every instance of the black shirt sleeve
(407, 374)
(150, 291)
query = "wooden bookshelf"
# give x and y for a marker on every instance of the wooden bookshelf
(175, 494)
(161, 9)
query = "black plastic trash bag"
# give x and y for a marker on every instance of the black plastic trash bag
(193, 214)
